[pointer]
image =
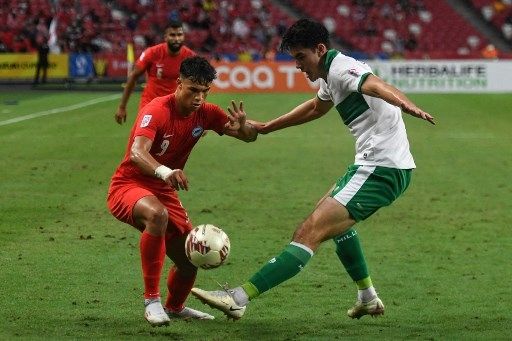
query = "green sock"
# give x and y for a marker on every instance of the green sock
(279, 269)
(351, 255)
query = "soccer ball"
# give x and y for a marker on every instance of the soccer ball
(207, 246)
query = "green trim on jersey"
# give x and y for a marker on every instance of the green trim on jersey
(361, 81)
(329, 56)
(352, 107)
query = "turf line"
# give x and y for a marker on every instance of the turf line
(61, 109)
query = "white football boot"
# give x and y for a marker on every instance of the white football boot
(154, 312)
(222, 300)
(373, 308)
(189, 313)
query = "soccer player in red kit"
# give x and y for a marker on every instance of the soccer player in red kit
(161, 63)
(143, 190)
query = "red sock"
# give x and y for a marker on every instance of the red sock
(179, 285)
(152, 255)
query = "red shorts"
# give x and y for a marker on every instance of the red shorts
(122, 197)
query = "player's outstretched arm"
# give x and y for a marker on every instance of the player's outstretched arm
(376, 87)
(140, 156)
(238, 126)
(305, 112)
(120, 115)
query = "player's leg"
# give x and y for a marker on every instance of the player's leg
(150, 215)
(327, 220)
(138, 207)
(363, 190)
(182, 274)
(45, 73)
(180, 281)
(350, 253)
(36, 77)
(348, 245)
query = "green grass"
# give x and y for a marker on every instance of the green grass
(439, 256)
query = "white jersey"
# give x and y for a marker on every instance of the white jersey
(381, 139)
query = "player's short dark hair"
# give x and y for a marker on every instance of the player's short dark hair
(174, 23)
(305, 33)
(198, 70)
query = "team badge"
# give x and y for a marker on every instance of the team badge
(353, 72)
(145, 121)
(197, 131)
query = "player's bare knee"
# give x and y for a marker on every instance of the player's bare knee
(156, 219)
(307, 234)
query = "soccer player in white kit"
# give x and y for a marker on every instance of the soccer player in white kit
(372, 111)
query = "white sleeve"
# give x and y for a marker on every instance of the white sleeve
(323, 92)
(352, 77)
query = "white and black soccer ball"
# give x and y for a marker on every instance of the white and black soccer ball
(207, 246)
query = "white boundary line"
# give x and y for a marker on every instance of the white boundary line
(61, 109)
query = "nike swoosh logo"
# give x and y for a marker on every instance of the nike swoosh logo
(166, 136)
(234, 309)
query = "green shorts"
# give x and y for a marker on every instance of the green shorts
(365, 189)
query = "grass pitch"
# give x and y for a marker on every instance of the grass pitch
(439, 256)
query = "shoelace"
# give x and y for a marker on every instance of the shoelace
(225, 287)
(225, 290)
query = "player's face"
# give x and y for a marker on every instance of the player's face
(307, 60)
(191, 94)
(174, 38)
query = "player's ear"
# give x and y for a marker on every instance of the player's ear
(178, 81)
(321, 49)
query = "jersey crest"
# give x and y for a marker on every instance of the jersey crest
(354, 72)
(197, 131)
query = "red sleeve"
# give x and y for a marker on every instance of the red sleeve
(216, 118)
(145, 59)
(150, 120)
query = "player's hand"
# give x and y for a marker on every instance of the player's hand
(259, 126)
(417, 112)
(120, 115)
(177, 179)
(237, 116)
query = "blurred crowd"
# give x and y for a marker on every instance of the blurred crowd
(220, 28)
(244, 29)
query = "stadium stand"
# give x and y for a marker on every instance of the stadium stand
(498, 13)
(404, 28)
(221, 28)
(250, 29)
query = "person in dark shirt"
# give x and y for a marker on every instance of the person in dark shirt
(42, 60)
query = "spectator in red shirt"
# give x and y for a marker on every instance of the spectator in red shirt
(161, 63)
(143, 190)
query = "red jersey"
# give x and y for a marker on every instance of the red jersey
(162, 71)
(173, 136)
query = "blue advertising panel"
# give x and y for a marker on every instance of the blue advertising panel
(81, 65)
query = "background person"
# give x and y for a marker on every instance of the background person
(42, 60)
(161, 63)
